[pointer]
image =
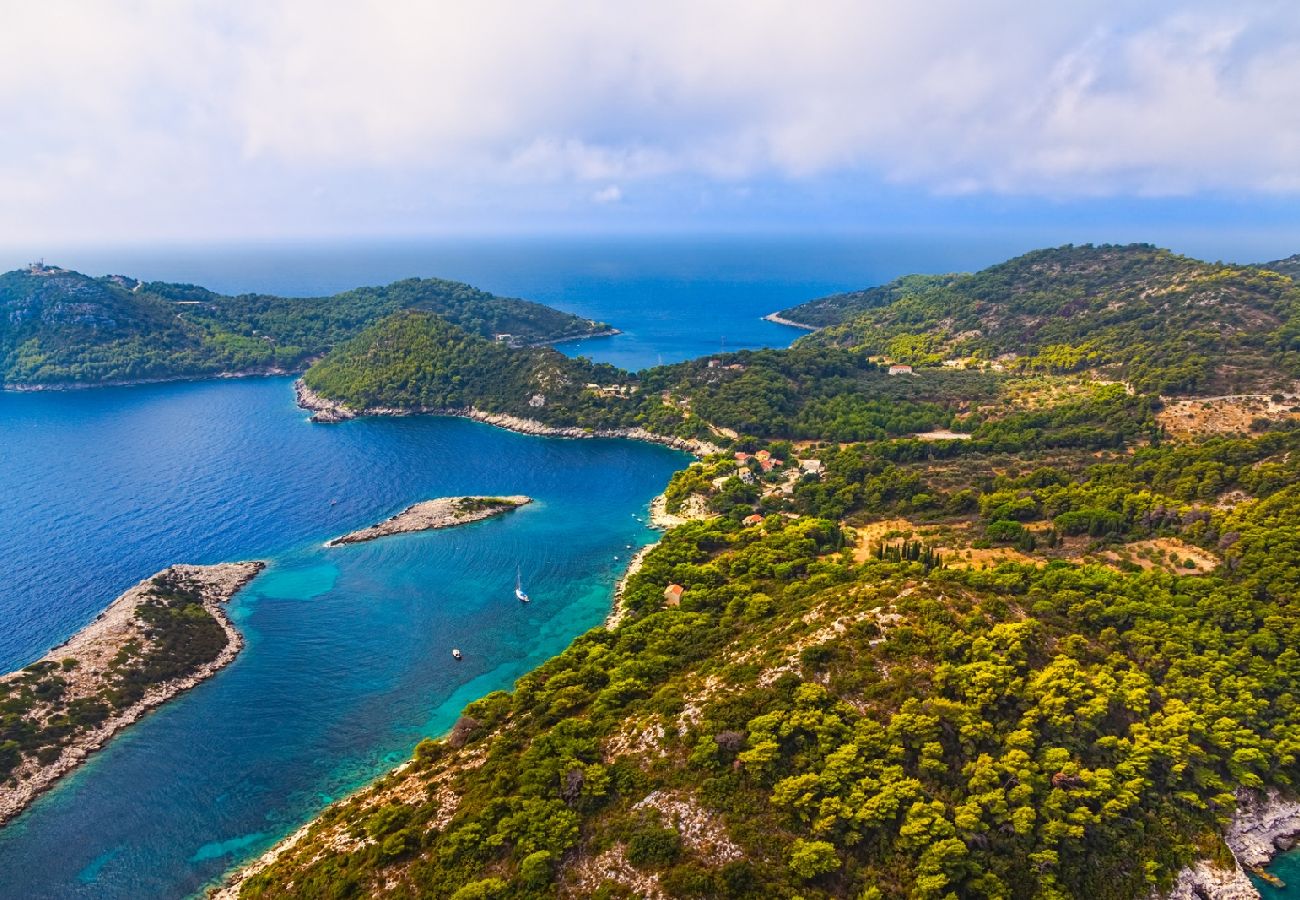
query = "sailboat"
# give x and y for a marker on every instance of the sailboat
(519, 587)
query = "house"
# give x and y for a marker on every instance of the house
(762, 455)
(742, 457)
(754, 519)
(901, 370)
(766, 464)
(811, 466)
(747, 476)
(673, 594)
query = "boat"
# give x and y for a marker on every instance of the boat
(455, 653)
(519, 587)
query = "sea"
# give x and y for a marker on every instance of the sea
(348, 659)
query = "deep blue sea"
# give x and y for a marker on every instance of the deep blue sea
(348, 660)
(674, 298)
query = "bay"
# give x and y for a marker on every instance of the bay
(348, 661)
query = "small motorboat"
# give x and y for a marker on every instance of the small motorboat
(455, 653)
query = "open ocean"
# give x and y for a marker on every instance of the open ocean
(348, 658)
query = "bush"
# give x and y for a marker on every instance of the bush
(808, 859)
(487, 889)
(653, 847)
(536, 870)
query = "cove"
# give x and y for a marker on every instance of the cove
(348, 659)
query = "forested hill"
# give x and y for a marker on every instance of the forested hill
(1162, 322)
(838, 308)
(59, 327)
(1040, 650)
(1289, 266)
(1020, 670)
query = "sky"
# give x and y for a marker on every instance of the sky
(136, 121)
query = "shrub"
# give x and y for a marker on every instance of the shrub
(808, 859)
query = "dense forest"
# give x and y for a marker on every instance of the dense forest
(59, 327)
(1037, 656)
(1166, 324)
(811, 722)
(416, 360)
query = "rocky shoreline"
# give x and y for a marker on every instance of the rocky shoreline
(618, 612)
(272, 372)
(94, 648)
(774, 317)
(608, 332)
(327, 411)
(430, 515)
(1264, 825)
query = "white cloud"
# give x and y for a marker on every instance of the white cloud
(153, 117)
(610, 193)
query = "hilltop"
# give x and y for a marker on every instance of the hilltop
(1164, 323)
(996, 631)
(59, 327)
(1289, 267)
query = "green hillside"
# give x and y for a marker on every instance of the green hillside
(1164, 323)
(1289, 267)
(804, 724)
(1038, 657)
(838, 308)
(59, 327)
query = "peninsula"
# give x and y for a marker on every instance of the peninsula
(160, 638)
(429, 515)
(64, 329)
(1052, 659)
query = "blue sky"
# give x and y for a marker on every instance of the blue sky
(287, 119)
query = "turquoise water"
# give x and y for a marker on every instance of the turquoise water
(1286, 867)
(348, 659)
(347, 664)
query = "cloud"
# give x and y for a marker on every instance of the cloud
(291, 115)
(611, 193)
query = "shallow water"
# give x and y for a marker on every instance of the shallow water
(348, 659)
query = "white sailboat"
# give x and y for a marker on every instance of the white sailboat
(519, 587)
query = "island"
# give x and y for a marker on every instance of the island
(428, 515)
(160, 638)
(65, 329)
(1015, 621)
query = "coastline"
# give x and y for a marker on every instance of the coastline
(96, 644)
(330, 412)
(617, 611)
(779, 320)
(608, 332)
(1264, 825)
(274, 372)
(267, 372)
(431, 515)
